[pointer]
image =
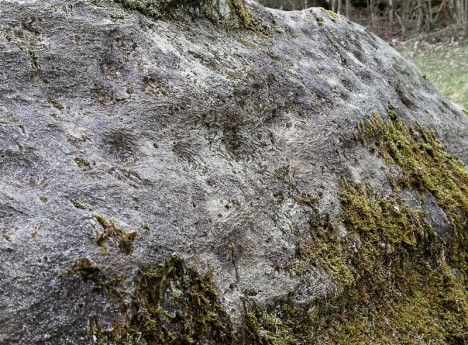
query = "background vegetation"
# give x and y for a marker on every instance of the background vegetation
(445, 64)
(403, 19)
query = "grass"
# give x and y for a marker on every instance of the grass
(445, 65)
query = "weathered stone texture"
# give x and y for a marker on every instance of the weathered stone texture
(205, 139)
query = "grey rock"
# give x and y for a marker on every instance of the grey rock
(199, 137)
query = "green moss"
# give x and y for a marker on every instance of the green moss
(384, 224)
(243, 17)
(391, 112)
(264, 328)
(428, 168)
(393, 284)
(37, 230)
(302, 199)
(78, 204)
(90, 272)
(322, 250)
(123, 237)
(118, 15)
(396, 281)
(172, 304)
(319, 20)
(86, 268)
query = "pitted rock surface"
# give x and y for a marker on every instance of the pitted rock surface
(201, 138)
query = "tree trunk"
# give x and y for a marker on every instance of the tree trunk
(340, 6)
(334, 5)
(420, 20)
(371, 7)
(348, 8)
(390, 12)
(465, 15)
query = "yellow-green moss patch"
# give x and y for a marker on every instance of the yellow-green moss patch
(90, 272)
(243, 17)
(124, 238)
(333, 16)
(322, 250)
(427, 167)
(172, 304)
(394, 285)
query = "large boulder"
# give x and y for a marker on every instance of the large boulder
(197, 172)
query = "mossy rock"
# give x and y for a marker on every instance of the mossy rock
(235, 14)
(393, 285)
(171, 304)
(227, 147)
(427, 168)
